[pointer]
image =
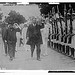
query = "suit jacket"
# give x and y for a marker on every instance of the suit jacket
(34, 34)
(10, 35)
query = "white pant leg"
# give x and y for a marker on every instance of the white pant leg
(26, 47)
(18, 40)
(45, 46)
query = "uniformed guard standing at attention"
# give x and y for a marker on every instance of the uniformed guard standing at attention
(72, 32)
(73, 40)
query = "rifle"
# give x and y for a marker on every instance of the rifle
(57, 31)
(65, 15)
(71, 27)
(60, 23)
(54, 24)
(52, 30)
(53, 12)
(61, 29)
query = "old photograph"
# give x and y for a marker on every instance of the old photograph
(37, 36)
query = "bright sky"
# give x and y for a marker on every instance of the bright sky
(26, 10)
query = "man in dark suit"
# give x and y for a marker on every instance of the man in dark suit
(10, 38)
(34, 37)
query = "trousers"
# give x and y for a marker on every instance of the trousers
(38, 50)
(11, 49)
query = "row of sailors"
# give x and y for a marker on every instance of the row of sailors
(67, 45)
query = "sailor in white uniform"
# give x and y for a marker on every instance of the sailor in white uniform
(73, 37)
(45, 33)
(26, 47)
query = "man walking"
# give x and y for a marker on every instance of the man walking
(11, 39)
(34, 37)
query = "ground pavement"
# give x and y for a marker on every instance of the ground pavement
(23, 61)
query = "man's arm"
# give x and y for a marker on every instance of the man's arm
(27, 33)
(42, 25)
(18, 29)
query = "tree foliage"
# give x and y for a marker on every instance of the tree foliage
(45, 8)
(15, 17)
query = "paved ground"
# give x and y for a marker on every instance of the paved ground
(23, 61)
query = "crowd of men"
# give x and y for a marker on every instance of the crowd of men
(55, 31)
(33, 36)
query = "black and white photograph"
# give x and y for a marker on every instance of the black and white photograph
(37, 36)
